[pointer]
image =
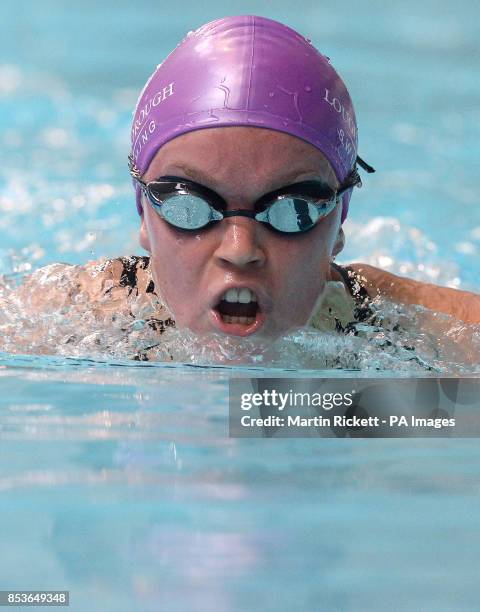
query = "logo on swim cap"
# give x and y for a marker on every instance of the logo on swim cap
(249, 71)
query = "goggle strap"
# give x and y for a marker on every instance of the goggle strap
(363, 164)
(135, 173)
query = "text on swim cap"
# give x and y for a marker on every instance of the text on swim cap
(140, 129)
(346, 147)
(336, 104)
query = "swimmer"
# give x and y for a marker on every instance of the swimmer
(243, 160)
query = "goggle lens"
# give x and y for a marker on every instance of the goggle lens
(187, 212)
(294, 215)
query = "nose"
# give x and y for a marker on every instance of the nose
(241, 243)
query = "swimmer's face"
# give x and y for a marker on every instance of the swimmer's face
(193, 271)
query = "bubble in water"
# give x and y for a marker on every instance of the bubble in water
(308, 88)
(56, 138)
(10, 79)
(475, 233)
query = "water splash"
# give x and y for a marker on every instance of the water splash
(54, 312)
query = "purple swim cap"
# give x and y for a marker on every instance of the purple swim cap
(248, 71)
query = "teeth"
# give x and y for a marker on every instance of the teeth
(244, 296)
(231, 295)
(238, 320)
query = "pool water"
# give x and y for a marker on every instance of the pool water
(122, 485)
(117, 479)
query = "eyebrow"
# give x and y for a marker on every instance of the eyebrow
(205, 179)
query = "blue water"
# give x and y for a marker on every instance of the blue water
(118, 480)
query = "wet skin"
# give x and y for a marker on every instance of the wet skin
(192, 271)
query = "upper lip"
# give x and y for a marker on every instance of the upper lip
(264, 301)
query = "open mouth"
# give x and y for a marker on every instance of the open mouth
(240, 311)
(238, 307)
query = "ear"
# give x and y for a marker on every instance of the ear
(339, 243)
(144, 238)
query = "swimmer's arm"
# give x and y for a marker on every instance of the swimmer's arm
(462, 305)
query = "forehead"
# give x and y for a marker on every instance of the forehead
(240, 154)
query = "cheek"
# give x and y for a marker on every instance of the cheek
(177, 262)
(306, 277)
(172, 267)
(303, 260)
(303, 265)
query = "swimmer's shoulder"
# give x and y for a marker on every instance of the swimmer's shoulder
(106, 283)
(131, 273)
(345, 302)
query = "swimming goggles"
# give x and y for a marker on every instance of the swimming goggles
(292, 209)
